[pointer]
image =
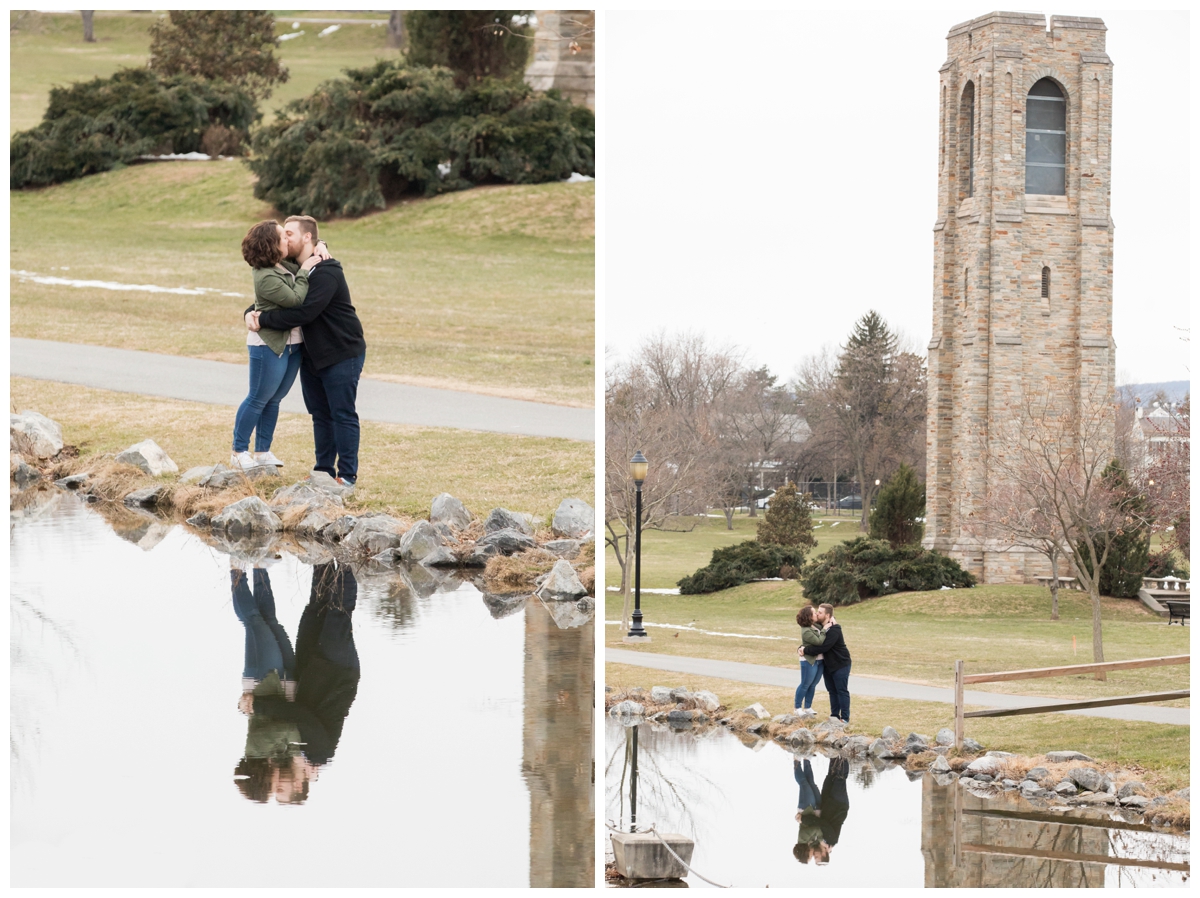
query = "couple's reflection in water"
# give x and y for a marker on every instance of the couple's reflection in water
(820, 812)
(296, 701)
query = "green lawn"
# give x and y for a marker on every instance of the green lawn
(48, 50)
(669, 555)
(918, 636)
(490, 290)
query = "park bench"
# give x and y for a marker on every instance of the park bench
(1177, 610)
(1063, 582)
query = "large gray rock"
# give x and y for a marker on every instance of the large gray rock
(561, 585)
(970, 745)
(220, 477)
(73, 481)
(1133, 787)
(150, 457)
(339, 529)
(445, 509)
(1059, 757)
(574, 519)
(706, 701)
(945, 736)
(322, 481)
(249, 515)
(1089, 779)
(198, 473)
(1066, 788)
(890, 734)
(660, 694)
(857, 745)
(373, 534)
(879, 749)
(503, 519)
(507, 541)
(149, 497)
(758, 711)
(802, 738)
(627, 709)
(314, 522)
(20, 472)
(917, 739)
(1137, 802)
(1029, 787)
(563, 548)
(1037, 773)
(305, 493)
(940, 765)
(985, 765)
(479, 555)
(1185, 793)
(421, 541)
(34, 435)
(569, 615)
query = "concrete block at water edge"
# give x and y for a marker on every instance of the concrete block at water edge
(643, 855)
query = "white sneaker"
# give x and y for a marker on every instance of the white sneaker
(267, 458)
(242, 461)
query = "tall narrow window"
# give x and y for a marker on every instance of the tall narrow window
(968, 131)
(1045, 282)
(1046, 140)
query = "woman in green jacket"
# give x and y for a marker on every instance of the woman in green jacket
(274, 354)
(811, 668)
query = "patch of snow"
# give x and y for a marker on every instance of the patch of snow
(113, 285)
(577, 178)
(288, 37)
(835, 523)
(691, 629)
(330, 30)
(295, 25)
(443, 169)
(184, 157)
(657, 592)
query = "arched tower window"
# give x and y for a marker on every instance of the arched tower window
(1045, 282)
(1046, 140)
(967, 129)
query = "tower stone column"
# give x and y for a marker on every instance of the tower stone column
(564, 55)
(1022, 298)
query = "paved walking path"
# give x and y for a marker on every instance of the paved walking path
(872, 686)
(220, 383)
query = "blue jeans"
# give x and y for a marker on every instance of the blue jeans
(809, 675)
(267, 645)
(810, 795)
(838, 684)
(330, 395)
(271, 376)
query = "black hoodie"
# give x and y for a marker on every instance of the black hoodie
(332, 331)
(833, 648)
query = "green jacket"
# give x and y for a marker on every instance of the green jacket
(281, 287)
(811, 636)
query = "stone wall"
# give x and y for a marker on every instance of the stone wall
(995, 338)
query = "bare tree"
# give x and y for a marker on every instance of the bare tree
(88, 35)
(661, 403)
(1168, 473)
(869, 402)
(1050, 459)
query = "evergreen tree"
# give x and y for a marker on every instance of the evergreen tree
(1129, 551)
(474, 44)
(901, 502)
(788, 521)
(219, 45)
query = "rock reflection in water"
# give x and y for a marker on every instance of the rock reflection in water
(1002, 841)
(296, 702)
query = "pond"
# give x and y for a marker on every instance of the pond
(740, 798)
(180, 720)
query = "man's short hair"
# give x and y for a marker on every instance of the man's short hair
(827, 608)
(306, 223)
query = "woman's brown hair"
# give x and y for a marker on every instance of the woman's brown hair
(260, 246)
(805, 617)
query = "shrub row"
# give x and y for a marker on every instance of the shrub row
(741, 563)
(863, 568)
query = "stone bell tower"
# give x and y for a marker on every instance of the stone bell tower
(1022, 296)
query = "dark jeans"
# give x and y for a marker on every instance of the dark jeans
(838, 684)
(271, 377)
(809, 675)
(330, 395)
(267, 645)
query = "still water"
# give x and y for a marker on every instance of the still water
(176, 721)
(760, 816)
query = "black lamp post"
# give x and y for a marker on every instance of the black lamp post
(638, 466)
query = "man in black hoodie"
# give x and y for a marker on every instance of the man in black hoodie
(837, 664)
(334, 353)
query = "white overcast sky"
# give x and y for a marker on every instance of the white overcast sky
(769, 177)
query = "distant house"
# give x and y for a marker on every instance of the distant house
(1160, 429)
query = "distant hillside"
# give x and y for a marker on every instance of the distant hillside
(1172, 390)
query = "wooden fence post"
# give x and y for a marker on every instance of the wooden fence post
(958, 705)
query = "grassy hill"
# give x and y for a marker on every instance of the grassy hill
(490, 290)
(47, 49)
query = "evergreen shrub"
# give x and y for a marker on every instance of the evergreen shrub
(1129, 550)
(93, 126)
(382, 132)
(900, 505)
(788, 521)
(863, 568)
(741, 563)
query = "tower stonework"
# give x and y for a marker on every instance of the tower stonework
(1022, 295)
